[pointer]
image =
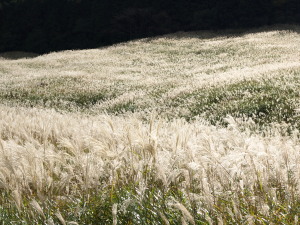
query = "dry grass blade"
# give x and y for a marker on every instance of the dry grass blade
(60, 218)
(114, 213)
(50, 221)
(185, 213)
(17, 198)
(35, 205)
(164, 218)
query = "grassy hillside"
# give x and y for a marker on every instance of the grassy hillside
(191, 128)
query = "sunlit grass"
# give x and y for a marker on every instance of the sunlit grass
(190, 128)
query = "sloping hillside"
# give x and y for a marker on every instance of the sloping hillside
(194, 128)
(184, 75)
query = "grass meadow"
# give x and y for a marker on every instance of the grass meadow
(188, 128)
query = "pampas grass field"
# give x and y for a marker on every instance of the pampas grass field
(188, 128)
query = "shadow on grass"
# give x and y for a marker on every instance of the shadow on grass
(14, 55)
(200, 34)
(228, 33)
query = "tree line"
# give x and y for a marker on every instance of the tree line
(49, 25)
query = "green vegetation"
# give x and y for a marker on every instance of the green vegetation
(265, 101)
(157, 205)
(54, 94)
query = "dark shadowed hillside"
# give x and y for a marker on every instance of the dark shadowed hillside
(48, 25)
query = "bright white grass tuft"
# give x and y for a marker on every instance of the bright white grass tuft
(45, 153)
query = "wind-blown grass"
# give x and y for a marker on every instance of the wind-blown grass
(189, 129)
(81, 165)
